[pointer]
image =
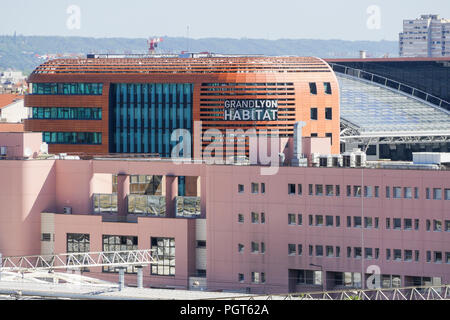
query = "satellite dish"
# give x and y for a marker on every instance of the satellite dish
(27, 152)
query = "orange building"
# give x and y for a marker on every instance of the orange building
(132, 105)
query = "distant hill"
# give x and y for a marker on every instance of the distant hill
(22, 52)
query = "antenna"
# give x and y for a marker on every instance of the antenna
(187, 38)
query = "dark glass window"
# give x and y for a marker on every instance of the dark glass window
(78, 242)
(313, 113)
(312, 88)
(68, 88)
(119, 243)
(328, 114)
(72, 137)
(165, 251)
(327, 87)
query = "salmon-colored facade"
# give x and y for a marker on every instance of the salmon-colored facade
(284, 79)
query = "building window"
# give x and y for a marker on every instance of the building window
(376, 222)
(368, 191)
(105, 203)
(68, 88)
(338, 221)
(255, 187)
(310, 189)
(240, 188)
(428, 224)
(397, 223)
(327, 87)
(437, 194)
(338, 190)
(447, 194)
(357, 222)
(291, 219)
(377, 253)
(338, 252)
(377, 191)
(240, 248)
(407, 224)
(240, 277)
(240, 218)
(388, 254)
(310, 218)
(291, 188)
(255, 217)
(329, 221)
(388, 223)
(416, 193)
(67, 113)
(416, 255)
(408, 255)
(319, 251)
(357, 191)
(313, 113)
(388, 192)
(329, 251)
(119, 243)
(94, 138)
(407, 193)
(255, 247)
(312, 88)
(201, 244)
(263, 218)
(416, 224)
(299, 219)
(319, 220)
(427, 192)
(368, 222)
(437, 257)
(357, 252)
(165, 250)
(263, 187)
(263, 277)
(78, 242)
(397, 255)
(349, 222)
(437, 225)
(329, 189)
(263, 247)
(368, 253)
(311, 250)
(397, 194)
(328, 114)
(47, 237)
(349, 252)
(299, 191)
(428, 256)
(319, 190)
(291, 249)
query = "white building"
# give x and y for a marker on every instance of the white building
(428, 36)
(12, 108)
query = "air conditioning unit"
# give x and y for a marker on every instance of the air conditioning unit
(67, 210)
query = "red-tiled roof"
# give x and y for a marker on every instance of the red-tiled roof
(7, 99)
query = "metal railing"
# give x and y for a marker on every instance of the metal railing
(78, 260)
(441, 292)
(391, 84)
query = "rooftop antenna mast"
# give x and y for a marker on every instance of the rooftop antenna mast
(153, 44)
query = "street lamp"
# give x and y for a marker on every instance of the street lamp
(323, 276)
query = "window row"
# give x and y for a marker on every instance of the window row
(256, 277)
(368, 191)
(68, 113)
(255, 188)
(327, 116)
(68, 88)
(256, 247)
(326, 87)
(255, 217)
(72, 137)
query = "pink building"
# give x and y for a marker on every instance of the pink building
(227, 227)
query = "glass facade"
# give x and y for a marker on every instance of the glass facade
(67, 113)
(188, 207)
(119, 243)
(72, 137)
(165, 252)
(105, 203)
(143, 116)
(78, 242)
(68, 88)
(147, 205)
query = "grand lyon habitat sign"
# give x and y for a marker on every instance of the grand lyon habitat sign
(251, 110)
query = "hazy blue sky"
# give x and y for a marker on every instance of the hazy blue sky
(269, 19)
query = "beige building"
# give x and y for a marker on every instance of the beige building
(428, 36)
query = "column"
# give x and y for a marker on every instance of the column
(140, 277)
(171, 194)
(123, 189)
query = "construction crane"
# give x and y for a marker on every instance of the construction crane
(153, 44)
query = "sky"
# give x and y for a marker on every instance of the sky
(261, 19)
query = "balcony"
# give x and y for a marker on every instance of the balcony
(147, 205)
(187, 207)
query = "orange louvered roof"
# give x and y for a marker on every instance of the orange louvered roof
(184, 65)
